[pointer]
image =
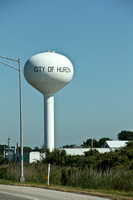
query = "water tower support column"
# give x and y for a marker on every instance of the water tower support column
(49, 122)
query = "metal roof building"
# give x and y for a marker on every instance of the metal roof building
(115, 144)
(80, 151)
(108, 146)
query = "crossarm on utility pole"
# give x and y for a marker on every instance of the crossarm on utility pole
(9, 65)
(8, 58)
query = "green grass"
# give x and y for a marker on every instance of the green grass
(115, 183)
(6, 182)
(116, 195)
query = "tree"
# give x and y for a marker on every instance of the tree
(27, 149)
(2, 147)
(69, 146)
(36, 149)
(125, 135)
(90, 143)
(56, 157)
(102, 141)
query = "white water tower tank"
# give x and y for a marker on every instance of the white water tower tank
(48, 72)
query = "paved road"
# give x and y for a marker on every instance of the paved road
(24, 193)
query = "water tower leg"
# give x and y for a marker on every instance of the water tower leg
(49, 122)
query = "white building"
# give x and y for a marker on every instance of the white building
(35, 156)
(115, 144)
(80, 151)
(107, 147)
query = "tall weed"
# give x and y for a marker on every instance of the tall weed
(85, 177)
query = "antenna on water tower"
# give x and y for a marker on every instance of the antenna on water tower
(48, 72)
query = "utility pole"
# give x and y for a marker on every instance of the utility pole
(92, 143)
(9, 149)
(22, 179)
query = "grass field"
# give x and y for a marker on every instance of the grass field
(116, 184)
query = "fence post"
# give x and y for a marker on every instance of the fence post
(48, 173)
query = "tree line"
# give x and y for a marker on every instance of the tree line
(123, 135)
(91, 142)
(93, 159)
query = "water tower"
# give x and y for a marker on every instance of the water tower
(48, 72)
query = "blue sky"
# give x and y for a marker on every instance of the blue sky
(97, 36)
